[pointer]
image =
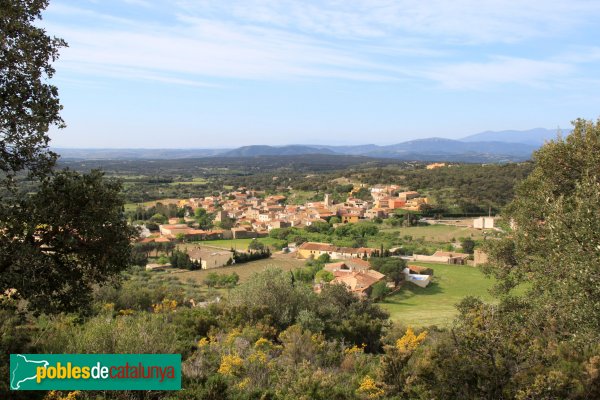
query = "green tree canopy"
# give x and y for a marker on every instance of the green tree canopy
(29, 104)
(64, 239)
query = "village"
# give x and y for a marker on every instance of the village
(247, 214)
(251, 214)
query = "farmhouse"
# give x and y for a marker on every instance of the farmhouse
(209, 258)
(483, 223)
(347, 266)
(447, 257)
(314, 249)
(359, 283)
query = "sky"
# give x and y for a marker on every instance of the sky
(228, 73)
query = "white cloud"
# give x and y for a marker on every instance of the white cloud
(458, 21)
(499, 71)
(378, 40)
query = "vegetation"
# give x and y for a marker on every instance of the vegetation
(70, 235)
(221, 280)
(64, 246)
(180, 259)
(436, 304)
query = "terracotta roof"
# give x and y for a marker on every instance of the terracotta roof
(347, 266)
(418, 269)
(359, 282)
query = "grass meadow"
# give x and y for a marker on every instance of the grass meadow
(435, 304)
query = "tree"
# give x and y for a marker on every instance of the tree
(256, 245)
(468, 245)
(391, 267)
(363, 194)
(159, 219)
(64, 239)
(204, 219)
(29, 104)
(542, 343)
(379, 291)
(556, 236)
(323, 276)
(71, 234)
(323, 258)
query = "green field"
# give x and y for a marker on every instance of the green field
(435, 304)
(147, 204)
(195, 181)
(437, 233)
(300, 196)
(285, 262)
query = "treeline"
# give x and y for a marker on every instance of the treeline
(348, 235)
(240, 257)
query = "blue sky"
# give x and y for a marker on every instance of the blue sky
(206, 74)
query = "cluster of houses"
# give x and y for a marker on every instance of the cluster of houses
(254, 215)
(358, 277)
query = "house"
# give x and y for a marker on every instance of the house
(349, 218)
(221, 216)
(314, 249)
(446, 257)
(359, 283)
(242, 233)
(435, 165)
(277, 224)
(404, 196)
(417, 279)
(483, 223)
(395, 202)
(210, 258)
(375, 213)
(417, 269)
(175, 229)
(347, 266)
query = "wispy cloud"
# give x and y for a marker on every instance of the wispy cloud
(192, 43)
(499, 71)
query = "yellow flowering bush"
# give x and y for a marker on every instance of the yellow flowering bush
(262, 344)
(56, 395)
(355, 349)
(409, 342)
(369, 389)
(165, 306)
(229, 363)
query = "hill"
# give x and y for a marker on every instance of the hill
(483, 147)
(534, 137)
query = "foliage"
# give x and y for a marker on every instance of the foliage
(29, 104)
(256, 245)
(181, 259)
(240, 257)
(391, 267)
(204, 219)
(468, 245)
(379, 290)
(65, 238)
(323, 276)
(222, 280)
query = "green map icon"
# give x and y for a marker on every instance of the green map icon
(23, 369)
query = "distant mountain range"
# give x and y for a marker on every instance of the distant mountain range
(489, 146)
(534, 137)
